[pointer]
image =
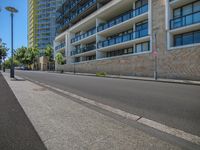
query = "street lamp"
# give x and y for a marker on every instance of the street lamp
(12, 10)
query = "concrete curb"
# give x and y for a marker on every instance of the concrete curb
(187, 82)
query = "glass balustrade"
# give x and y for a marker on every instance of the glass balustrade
(60, 46)
(124, 17)
(83, 50)
(185, 20)
(84, 35)
(123, 38)
(78, 11)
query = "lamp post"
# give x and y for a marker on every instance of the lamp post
(12, 10)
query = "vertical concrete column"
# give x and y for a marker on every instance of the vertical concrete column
(71, 47)
(100, 54)
(133, 27)
(99, 38)
(150, 20)
(54, 49)
(67, 50)
(168, 13)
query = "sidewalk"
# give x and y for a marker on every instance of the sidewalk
(64, 124)
(190, 82)
(16, 131)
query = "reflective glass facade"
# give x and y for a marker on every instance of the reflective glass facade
(44, 12)
(72, 12)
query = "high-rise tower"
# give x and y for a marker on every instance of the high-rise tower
(41, 22)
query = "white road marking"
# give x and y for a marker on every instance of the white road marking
(176, 132)
(161, 127)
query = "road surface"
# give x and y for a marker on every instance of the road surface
(175, 105)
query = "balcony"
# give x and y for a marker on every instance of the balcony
(78, 12)
(84, 35)
(86, 6)
(123, 38)
(62, 45)
(185, 20)
(124, 17)
(83, 50)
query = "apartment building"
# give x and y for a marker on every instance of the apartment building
(32, 21)
(119, 36)
(41, 22)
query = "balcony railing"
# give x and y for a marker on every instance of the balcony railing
(84, 35)
(86, 6)
(123, 38)
(124, 17)
(78, 11)
(62, 45)
(185, 20)
(83, 50)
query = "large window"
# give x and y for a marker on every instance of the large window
(186, 15)
(187, 38)
(93, 57)
(119, 52)
(197, 37)
(141, 28)
(140, 3)
(187, 9)
(141, 25)
(142, 47)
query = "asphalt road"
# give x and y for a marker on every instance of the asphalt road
(16, 131)
(176, 105)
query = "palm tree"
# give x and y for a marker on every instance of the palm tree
(49, 54)
(32, 54)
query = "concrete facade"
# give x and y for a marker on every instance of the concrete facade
(180, 62)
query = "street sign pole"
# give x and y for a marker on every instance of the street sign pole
(155, 55)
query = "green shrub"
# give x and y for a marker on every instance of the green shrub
(101, 74)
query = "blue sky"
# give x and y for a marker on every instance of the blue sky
(20, 23)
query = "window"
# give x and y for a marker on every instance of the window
(186, 15)
(77, 59)
(93, 57)
(141, 25)
(142, 47)
(119, 52)
(187, 10)
(140, 3)
(196, 17)
(177, 13)
(178, 40)
(138, 48)
(145, 46)
(197, 37)
(141, 29)
(196, 6)
(187, 38)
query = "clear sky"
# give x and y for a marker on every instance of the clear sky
(20, 23)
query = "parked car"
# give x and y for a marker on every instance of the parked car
(21, 68)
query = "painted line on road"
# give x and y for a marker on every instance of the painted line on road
(158, 126)
(176, 132)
